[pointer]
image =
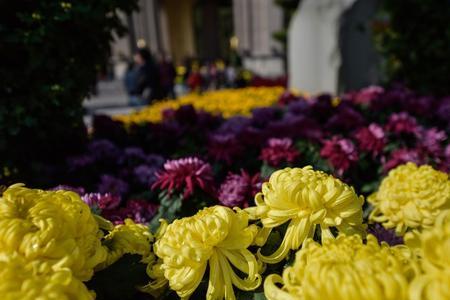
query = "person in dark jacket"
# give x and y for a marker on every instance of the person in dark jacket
(145, 77)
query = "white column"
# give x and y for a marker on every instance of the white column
(313, 53)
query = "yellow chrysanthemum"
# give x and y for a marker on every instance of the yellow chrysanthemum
(410, 197)
(55, 228)
(345, 268)
(216, 235)
(307, 199)
(228, 102)
(24, 280)
(434, 283)
(128, 238)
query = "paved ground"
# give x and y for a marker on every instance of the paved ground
(110, 100)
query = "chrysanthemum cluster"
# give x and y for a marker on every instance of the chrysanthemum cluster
(410, 198)
(345, 268)
(49, 239)
(227, 102)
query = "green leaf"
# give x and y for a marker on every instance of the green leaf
(169, 209)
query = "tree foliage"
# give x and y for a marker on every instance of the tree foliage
(415, 41)
(51, 52)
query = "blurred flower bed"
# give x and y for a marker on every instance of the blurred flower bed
(327, 192)
(228, 102)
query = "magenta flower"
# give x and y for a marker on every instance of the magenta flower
(431, 141)
(371, 139)
(278, 151)
(366, 95)
(402, 156)
(224, 147)
(340, 153)
(103, 201)
(237, 189)
(184, 175)
(402, 123)
(140, 211)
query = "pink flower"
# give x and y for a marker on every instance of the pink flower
(402, 156)
(371, 139)
(402, 123)
(431, 140)
(340, 153)
(366, 95)
(185, 174)
(278, 151)
(102, 201)
(237, 189)
(140, 211)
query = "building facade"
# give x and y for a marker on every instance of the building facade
(207, 30)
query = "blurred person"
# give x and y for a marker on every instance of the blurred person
(143, 79)
(167, 76)
(194, 80)
(130, 82)
(230, 76)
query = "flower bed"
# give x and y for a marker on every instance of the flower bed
(228, 102)
(372, 226)
(306, 238)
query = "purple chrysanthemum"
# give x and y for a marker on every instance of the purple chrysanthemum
(431, 141)
(140, 211)
(103, 150)
(237, 189)
(224, 147)
(385, 235)
(113, 185)
(80, 161)
(145, 174)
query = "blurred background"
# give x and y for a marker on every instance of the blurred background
(65, 61)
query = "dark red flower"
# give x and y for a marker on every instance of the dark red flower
(278, 151)
(184, 175)
(340, 153)
(371, 139)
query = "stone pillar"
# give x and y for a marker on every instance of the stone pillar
(254, 23)
(313, 52)
(180, 27)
